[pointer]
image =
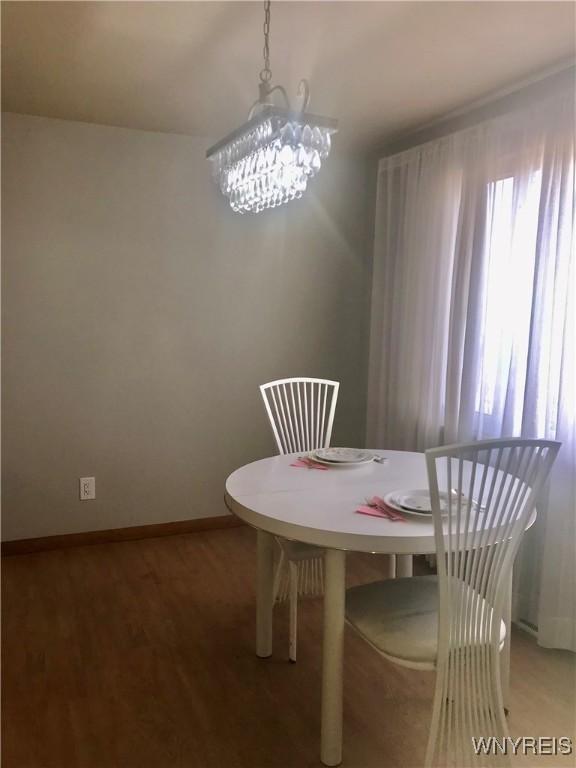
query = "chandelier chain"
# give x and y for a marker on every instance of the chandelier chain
(266, 73)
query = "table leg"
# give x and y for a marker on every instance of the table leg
(505, 652)
(332, 658)
(403, 566)
(264, 594)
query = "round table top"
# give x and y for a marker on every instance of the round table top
(318, 507)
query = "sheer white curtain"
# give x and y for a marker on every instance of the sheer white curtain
(473, 330)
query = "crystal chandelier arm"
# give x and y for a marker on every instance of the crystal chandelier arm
(281, 90)
(264, 99)
(304, 92)
(254, 109)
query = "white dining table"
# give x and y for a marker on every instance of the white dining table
(318, 507)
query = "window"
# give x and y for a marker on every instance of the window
(509, 282)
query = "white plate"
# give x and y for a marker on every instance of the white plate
(342, 456)
(415, 502)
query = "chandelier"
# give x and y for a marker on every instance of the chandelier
(267, 161)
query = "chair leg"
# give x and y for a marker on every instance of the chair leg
(391, 566)
(439, 704)
(505, 652)
(278, 569)
(403, 566)
(293, 601)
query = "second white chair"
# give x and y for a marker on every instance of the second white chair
(301, 414)
(453, 623)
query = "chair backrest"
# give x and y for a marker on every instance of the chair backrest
(301, 412)
(489, 488)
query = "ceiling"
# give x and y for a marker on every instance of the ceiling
(192, 67)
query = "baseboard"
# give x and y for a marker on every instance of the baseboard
(527, 627)
(27, 546)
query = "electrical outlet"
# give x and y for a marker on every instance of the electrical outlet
(87, 488)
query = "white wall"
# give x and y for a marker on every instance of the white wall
(140, 314)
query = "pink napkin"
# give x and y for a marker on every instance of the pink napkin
(373, 511)
(378, 508)
(305, 463)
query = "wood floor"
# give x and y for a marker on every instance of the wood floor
(140, 655)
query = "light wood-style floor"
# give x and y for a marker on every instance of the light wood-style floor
(140, 655)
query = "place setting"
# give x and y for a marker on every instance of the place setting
(395, 504)
(414, 503)
(337, 458)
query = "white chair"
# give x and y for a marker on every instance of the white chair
(453, 622)
(301, 414)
